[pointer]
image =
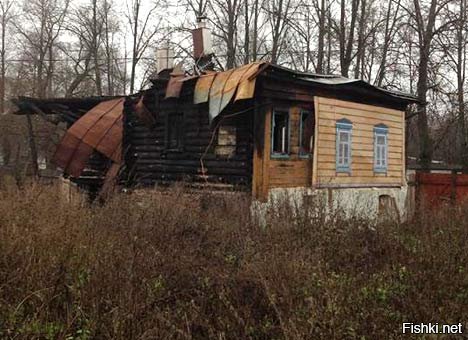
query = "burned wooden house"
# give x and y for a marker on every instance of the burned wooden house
(259, 128)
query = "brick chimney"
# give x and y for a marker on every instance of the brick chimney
(201, 39)
(164, 57)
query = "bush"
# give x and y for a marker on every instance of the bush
(162, 266)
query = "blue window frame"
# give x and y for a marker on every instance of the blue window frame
(344, 129)
(380, 148)
(306, 134)
(280, 134)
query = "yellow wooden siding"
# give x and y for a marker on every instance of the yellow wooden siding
(363, 118)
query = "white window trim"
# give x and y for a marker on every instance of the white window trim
(343, 126)
(381, 131)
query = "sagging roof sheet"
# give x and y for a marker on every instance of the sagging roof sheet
(218, 89)
(100, 129)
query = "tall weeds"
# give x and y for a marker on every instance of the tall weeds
(164, 266)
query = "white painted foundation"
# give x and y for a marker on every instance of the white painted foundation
(365, 203)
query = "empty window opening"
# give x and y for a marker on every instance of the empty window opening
(306, 133)
(175, 131)
(280, 133)
(227, 141)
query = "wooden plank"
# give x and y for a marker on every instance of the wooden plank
(293, 179)
(360, 180)
(356, 153)
(357, 160)
(317, 133)
(266, 153)
(361, 131)
(403, 155)
(289, 185)
(297, 163)
(358, 185)
(358, 166)
(359, 120)
(357, 145)
(359, 173)
(359, 106)
(350, 112)
(332, 137)
(288, 174)
(257, 160)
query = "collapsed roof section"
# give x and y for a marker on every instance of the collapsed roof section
(100, 129)
(56, 110)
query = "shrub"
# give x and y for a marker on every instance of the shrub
(162, 266)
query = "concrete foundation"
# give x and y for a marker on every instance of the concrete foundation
(366, 203)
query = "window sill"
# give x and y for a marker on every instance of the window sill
(279, 156)
(305, 156)
(343, 171)
(380, 171)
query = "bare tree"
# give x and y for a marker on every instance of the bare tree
(391, 20)
(226, 14)
(322, 20)
(278, 13)
(144, 27)
(42, 24)
(6, 15)
(454, 45)
(346, 35)
(424, 21)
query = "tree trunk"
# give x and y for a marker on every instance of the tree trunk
(361, 43)
(247, 33)
(135, 48)
(321, 37)
(425, 144)
(3, 71)
(255, 31)
(461, 64)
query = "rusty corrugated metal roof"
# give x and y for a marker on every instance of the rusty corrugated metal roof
(174, 86)
(202, 88)
(219, 88)
(99, 129)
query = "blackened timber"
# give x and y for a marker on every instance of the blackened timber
(152, 163)
(280, 87)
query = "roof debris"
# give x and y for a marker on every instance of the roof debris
(100, 129)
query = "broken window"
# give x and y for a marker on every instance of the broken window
(343, 145)
(306, 132)
(227, 139)
(174, 131)
(280, 133)
(380, 148)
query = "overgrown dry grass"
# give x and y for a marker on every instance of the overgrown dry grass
(162, 268)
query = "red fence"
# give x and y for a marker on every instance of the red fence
(435, 189)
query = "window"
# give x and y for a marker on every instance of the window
(226, 141)
(343, 145)
(280, 134)
(306, 132)
(174, 131)
(380, 148)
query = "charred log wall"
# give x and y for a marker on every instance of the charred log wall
(149, 160)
